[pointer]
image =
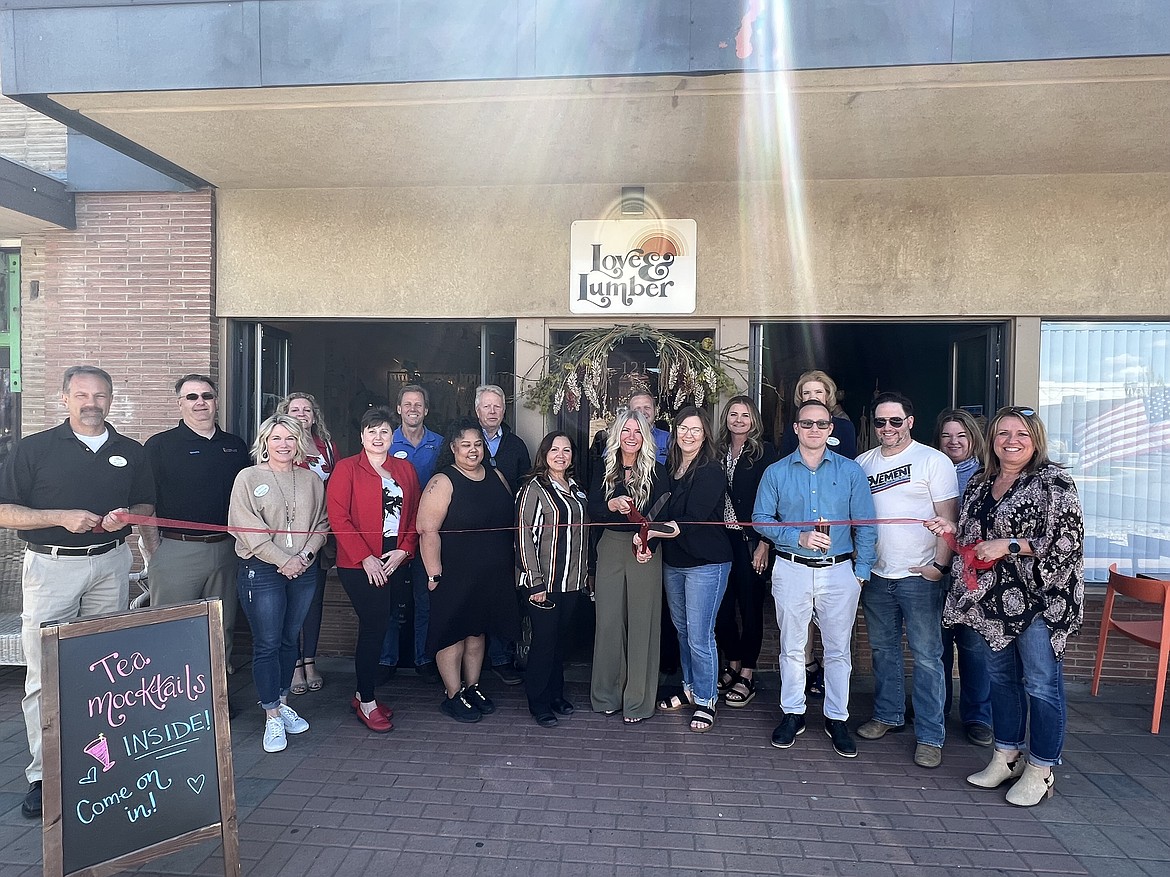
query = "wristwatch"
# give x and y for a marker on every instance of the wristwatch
(939, 567)
(308, 556)
(434, 580)
(1014, 547)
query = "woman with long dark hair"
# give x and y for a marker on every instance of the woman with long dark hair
(739, 626)
(554, 561)
(627, 593)
(1022, 516)
(696, 559)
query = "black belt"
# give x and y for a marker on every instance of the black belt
(815, 562)
(62, 551)
(190, 537)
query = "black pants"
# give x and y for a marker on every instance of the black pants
(745, 593)
(544, 678)
(374, 607)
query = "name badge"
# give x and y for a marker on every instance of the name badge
(833, 440)
(118, 461)
(401, 455)
(261, 490)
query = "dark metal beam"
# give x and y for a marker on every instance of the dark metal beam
(34, 194)
(75, 120)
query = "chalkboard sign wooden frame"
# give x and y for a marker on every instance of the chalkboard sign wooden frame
(225, 827)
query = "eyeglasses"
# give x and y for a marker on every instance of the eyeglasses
(809, 424)
(206, 397)
(542, 604)
(689, 430)
(1017, 409)
(895, 422)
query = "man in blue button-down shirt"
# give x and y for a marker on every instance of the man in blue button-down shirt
(817, 574)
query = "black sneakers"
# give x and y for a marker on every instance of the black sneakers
(31, 808)
(843, 743)
(507, 674)
(785, 733)
(460, 709)
(478, 699)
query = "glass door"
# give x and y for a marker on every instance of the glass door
(977, 372)
(260, 375)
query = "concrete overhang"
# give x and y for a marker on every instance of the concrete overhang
(31, 201)
(1036, 117)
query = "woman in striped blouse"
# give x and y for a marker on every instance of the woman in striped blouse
(554, 551)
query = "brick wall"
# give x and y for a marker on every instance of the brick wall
(1125, 660)
(130, 290)
(32, 139)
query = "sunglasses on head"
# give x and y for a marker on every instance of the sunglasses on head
(1017, 409)
(809, 424)
(206, 397)
(895, 422)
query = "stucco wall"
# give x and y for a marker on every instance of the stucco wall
(988, 246)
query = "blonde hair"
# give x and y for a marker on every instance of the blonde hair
(967, 421)
(1036, 431)
(319, 429)
(642, 476)
(294, 426)
(820, 377)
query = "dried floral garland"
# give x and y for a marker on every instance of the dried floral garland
(689, 372)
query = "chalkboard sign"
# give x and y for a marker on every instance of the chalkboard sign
(137, 750)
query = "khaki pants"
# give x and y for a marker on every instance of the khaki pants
(63, 589)
(182, 571)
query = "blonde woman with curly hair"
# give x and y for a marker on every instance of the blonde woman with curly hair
(320, 457)
(628, 592)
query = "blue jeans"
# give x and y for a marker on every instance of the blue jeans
(1027, 696)
(693, 594)
(974, 678)
(919, 603)
(275, 608)
(422, 617)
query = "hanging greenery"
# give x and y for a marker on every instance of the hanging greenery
(689, 372)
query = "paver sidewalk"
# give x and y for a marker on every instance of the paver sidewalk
(596, 797)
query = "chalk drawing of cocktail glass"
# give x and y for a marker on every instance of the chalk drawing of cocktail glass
(100, 750)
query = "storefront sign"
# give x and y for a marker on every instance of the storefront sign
(632, 266)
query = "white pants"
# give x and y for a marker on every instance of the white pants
(828, 594)
(63, 589)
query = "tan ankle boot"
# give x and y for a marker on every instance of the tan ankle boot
(1033, 787)
(1003, 766)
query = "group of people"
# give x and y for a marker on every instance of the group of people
(976, 551)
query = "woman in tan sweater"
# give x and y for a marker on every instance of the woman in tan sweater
(280, 512)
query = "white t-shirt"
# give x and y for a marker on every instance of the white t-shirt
(907, 485)
(94, 442)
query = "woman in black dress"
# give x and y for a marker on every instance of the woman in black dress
(470, 569)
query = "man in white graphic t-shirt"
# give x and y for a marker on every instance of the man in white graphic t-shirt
(907, 480)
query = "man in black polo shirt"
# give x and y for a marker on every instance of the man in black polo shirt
(64, 490)
(194, 466)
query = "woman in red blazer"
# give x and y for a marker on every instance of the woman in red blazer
(372, 501)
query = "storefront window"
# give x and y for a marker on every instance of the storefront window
(1104, 400)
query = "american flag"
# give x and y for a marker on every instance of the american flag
(1139, 426)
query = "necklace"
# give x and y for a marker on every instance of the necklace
(289, 514)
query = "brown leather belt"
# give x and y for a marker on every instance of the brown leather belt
(65, 551)
(188, 537)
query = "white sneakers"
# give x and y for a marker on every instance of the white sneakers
(274, 739)
(277, 727)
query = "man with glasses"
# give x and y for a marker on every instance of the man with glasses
(907, 480)
(65, 490)
(820, 569)
(195, 465)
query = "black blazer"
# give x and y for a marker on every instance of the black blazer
(697, 497)
(744, 484)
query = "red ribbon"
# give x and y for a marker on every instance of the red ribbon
(971, 562)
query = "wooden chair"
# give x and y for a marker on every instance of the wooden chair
(1154, 634)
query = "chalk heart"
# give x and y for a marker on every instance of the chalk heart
(196, 783)
(90, 777)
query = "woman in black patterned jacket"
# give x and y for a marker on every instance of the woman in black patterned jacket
(1022, 516)
(554, 555)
